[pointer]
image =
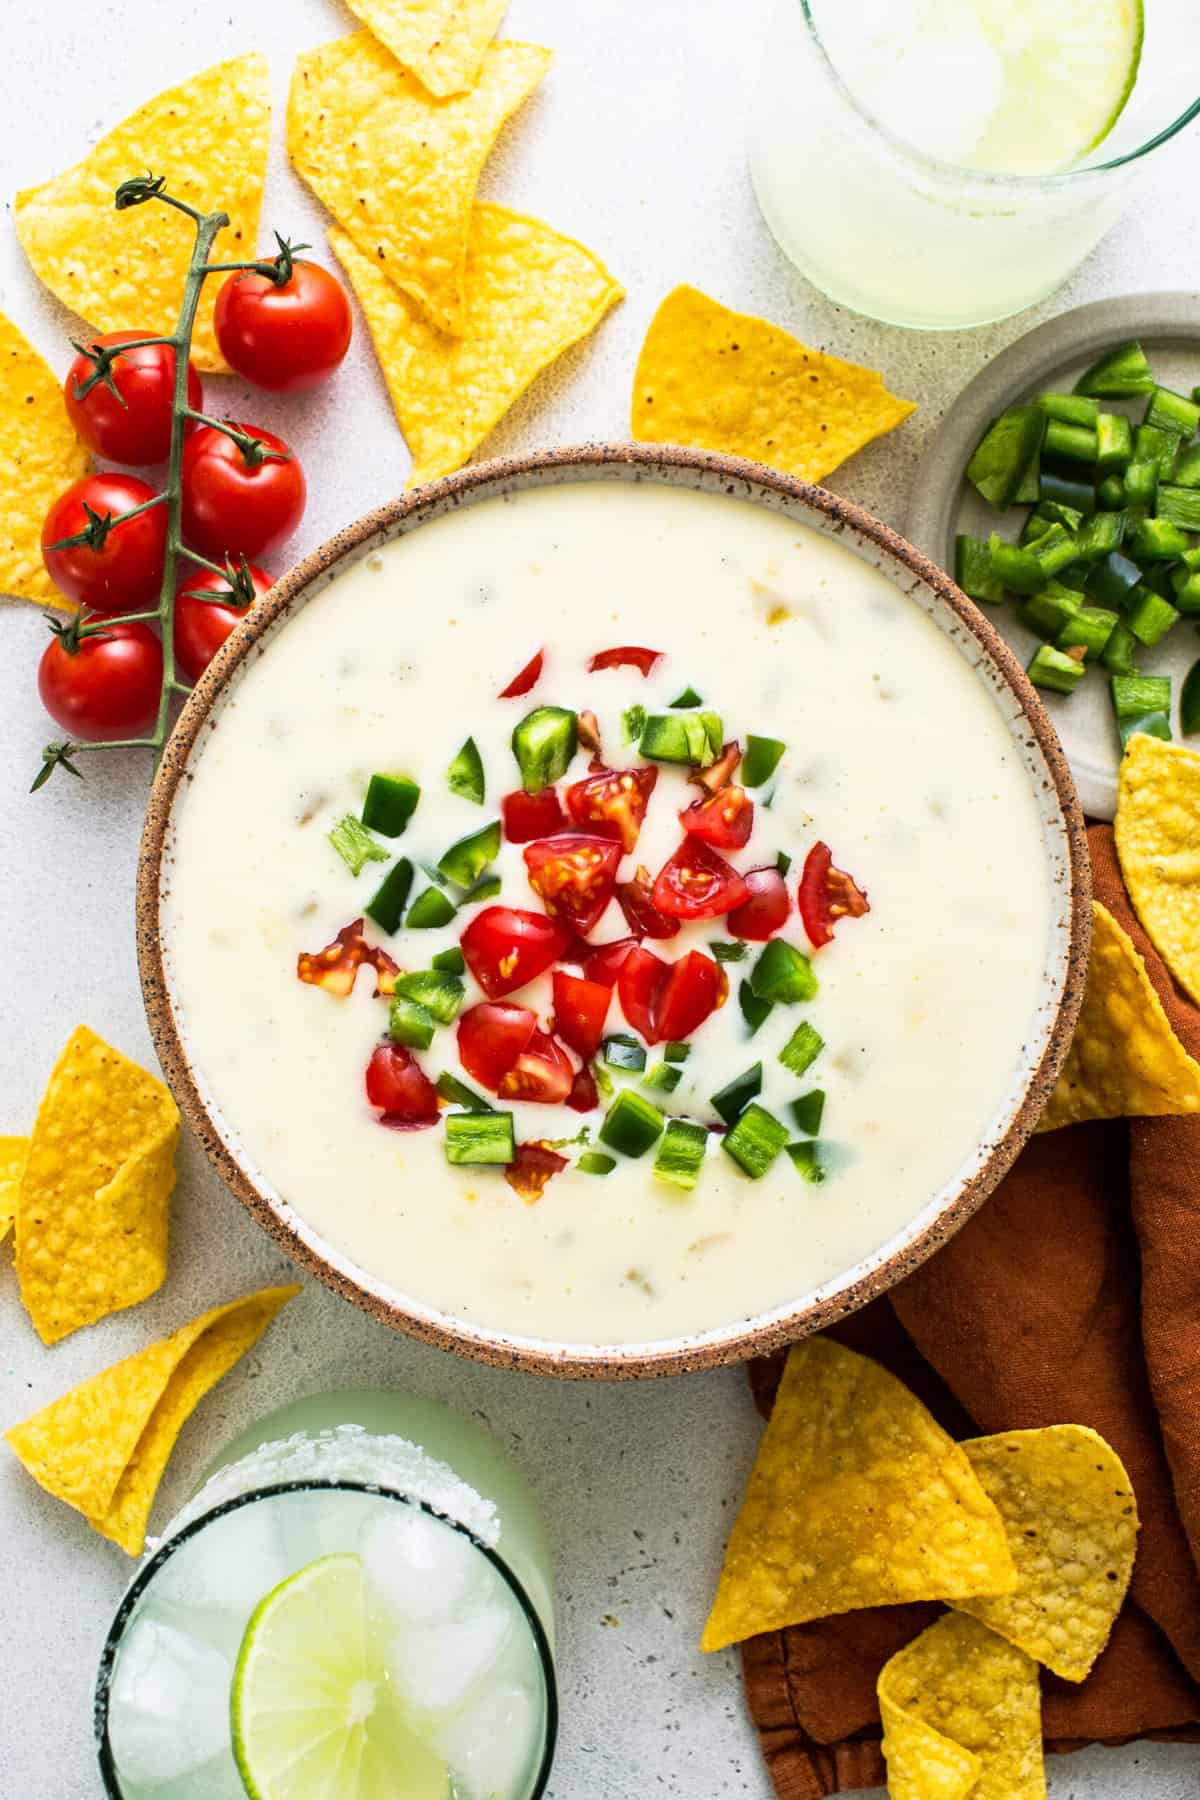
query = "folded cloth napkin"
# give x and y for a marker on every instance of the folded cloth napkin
(1073, 1295)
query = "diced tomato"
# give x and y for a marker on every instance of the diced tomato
(636, 900)
(604, 964)
(529, 816)
(826, 895)
(625, 656)
(698, 884)
(531, 1168)
(398, 1086)
(543, 1072)
(724, 819)
(639, 988)
(574, 876)
(613, 802)
(335, 967)
(584, 1095)
(766, 911)
(505, 947)
(490, 1039)
(521, 684)
(694, 989)
(580, 1009)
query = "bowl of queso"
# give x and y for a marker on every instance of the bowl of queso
(613, 911)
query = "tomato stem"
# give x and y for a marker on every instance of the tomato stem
(254, 450)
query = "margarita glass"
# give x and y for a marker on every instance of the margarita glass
(356, 1604)
(875, 172)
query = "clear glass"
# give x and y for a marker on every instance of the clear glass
(441, 1521)
(902, 237)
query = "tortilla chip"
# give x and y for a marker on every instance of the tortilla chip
(962, 1714)
(40, 455)
(92, 1207)
(397, 168)
(1072, 1523)
(124, 269)
(103, 1447)
(1157, 829)
(13, 1151)
(1124, 1059)
(532, 293)
(721, 380)
(857, 1498)
(441, 41)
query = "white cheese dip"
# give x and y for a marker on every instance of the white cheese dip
(897, 757)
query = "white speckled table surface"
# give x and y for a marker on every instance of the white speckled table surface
(635, 143)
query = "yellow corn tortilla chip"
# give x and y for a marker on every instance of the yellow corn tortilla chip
(532, 294)
(103, 1447)
(92, 1206)
(1124, 1059)
(857, 1498)
(13, 1151)
(398, 168)
(1071, 1517)
(122, 270)
(1157, 830)
(962, 1714)
(40, 455)
(441, 41)
(721, 380)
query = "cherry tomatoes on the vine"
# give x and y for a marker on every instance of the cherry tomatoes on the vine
(125, 412)
(117, 567)
(241, 495)
(288, 335)
(106, 688)
(201, 626)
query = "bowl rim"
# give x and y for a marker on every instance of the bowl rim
(743, 1338)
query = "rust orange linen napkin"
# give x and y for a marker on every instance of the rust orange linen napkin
(1073, 1295)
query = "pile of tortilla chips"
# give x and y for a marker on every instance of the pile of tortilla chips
(858, 1498)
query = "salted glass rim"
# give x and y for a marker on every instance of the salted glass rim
(986, 177)
(165, 1551)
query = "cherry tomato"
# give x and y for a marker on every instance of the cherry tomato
(724, 819)
(288, 335)
(694, 989)
(108, 688)
(639, 989)
(698, 884)
(580, 1009)
(636, 900)
(531, 1169)
(398, 1087)
(201, 626)
(490, 1039)
(234, 505)
(613, 802)
(529, 816)
(826, 895)
(505, 947)
(521, 684)
(604, 964)
(574, 876)
(543, 1073)
(123, 572)
(766, 910)
(625, 656)
(584, 1095)
(132, 425)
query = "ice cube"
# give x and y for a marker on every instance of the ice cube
(437, 1666)
(169, 1706)
(322, 1524)
(417, 1568)
(213, 1583)
(941, 93)
(491, 1746)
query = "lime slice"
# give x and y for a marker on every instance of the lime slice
(312, 1714)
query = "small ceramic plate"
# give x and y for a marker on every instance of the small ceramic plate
(1053, 357)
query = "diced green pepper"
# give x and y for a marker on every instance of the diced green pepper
(622, 1052)
(1055, 550)
(1070, 443)
(480, 1137)
(806, 1160)
(1070, 409)
(1046, 614)
(1152, 724)
(677, 1053)
(1140, 483)
(783, 973)
(802, 1049)
(973, 570)
(465, 774)
(633, 723)
(729, 953)
(543, 743)
(762, 758)
(1110, 493)
(1030, 487)
(390, 803)
(1186, 472)
(1158, 540)
(1149, 616)
(1118, 654)
(1152, 444)
(452, 960)
(754, 1010)
(355, 845)
(1100, 535)
(1173, 412)
(662, 1078)
(632, 1124)
(732, 1100)
(437, 990)
(1186, 583)
(1113, 578)
(694, 738)
(465, 861)
(680, 1156)
(1120, 373)
(1133, 695)
(808, 1111)
(1016, 569)
(486, 888)
(430, 910)
(1053, 669)
(1067, 490)
(783, 862)
(1189, 702)
(386, 905)
(456, 1091)
(410, 1023)
(755, 1141)
(595, 1162)
(1050, 512)
(1114, 441)
(1089, 630)
(688, 698)
(1004, 456)
(1179, 505)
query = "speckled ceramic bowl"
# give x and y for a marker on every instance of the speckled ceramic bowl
(1042, 1055)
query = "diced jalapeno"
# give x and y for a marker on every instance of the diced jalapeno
(783, 862)
(754, 1010)
(622, 1052)
(1089, 630)
(662, 1078)
(1110, 492)
(729, 953)
(1016, 569)
(1120, 651)
(1139, 485)
(544, 743)
(1113, 578)
(1055, 550)
(1007, 452)
(1173, 412)
(355, 845)
(633, 723)
(1186, 472)
(430, 910)
(387, 903)
(1054, 669)
(762, 758)
(1120, 373)
(677, 1053)
(973, 570)
(486, 888)
(1070, 443)
(1149, 617)
(1070, 409)
(465, 774)
(632, 1124)
(806, 1160)
(1100, 535)
(1186, 583)
(410, 1023)
(466, 860)
(1114, 443)
(1067, 490)
(1158, 540)
(680, 1156)
(435, 989)
(452, 960)
(456, 1091)
(808, 1110)
(732, 1100)
(694, 738)
(802, 1049)
(1178, 505)
(390, 803)
(1152, 724)
(480, 1137)
(689, 697)
(1133, 695)
(1152, 444)
(783, 973)
(755, 1141)
(595, 1162)
(1047, 613)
